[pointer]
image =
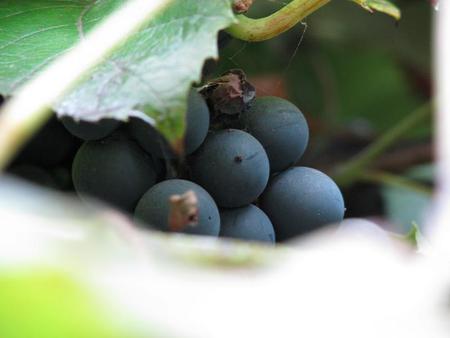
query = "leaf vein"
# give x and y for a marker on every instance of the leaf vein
(80, 24)
(36, 9)
(23, 37)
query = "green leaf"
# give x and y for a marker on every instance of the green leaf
(413, 235)
(34, 33)
(40, 303)
(151, 74)
(383, 6)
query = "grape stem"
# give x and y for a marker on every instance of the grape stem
(353, 170)
(30, 107)
(261, 29)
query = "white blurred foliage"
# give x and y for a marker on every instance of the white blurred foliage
(437, 240)
(353, 282)
(330, 285)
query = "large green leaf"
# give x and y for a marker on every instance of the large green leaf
(150, 74)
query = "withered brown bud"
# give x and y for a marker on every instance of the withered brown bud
(241, 6)
(229, 94)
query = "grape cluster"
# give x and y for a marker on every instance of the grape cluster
(46, 159)
(241, 172)
(243, 177)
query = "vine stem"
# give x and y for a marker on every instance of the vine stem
(352, 170)
(30, 107)
(395, 181)
(261, 29)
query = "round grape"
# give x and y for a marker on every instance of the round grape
(280, 127)
(90, 131)
(232, 166)
(153, 208)
(300, 200)
(51, 146)
(247, 223)
(197, 125)
(114, 170)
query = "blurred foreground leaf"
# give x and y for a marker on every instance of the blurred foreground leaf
(45, 304)
(147, 280)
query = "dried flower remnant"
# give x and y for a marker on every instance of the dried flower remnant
(183, 211)
(229, 94)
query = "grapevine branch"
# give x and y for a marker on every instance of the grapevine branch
(31, 106)
(352, 170)
(261, 29)
(396, 181)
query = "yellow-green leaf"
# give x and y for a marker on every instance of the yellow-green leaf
(382, 6)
